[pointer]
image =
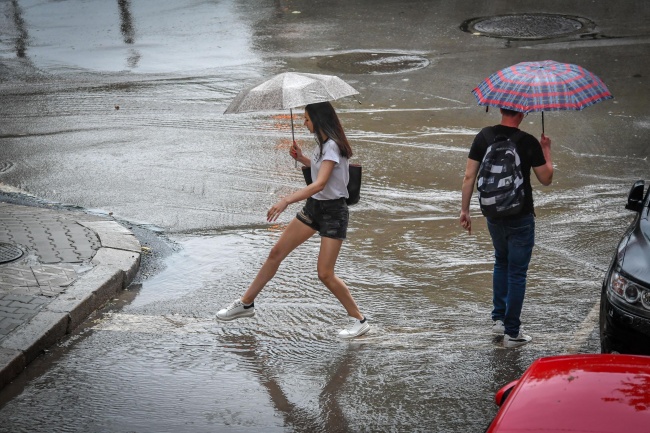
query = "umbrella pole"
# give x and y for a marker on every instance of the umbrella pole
(542, 123)
(293, 138)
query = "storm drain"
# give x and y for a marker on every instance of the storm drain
(527, 26)
(373, 63)
(9, 253)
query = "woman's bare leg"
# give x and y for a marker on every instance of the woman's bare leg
(294, 235)
(329, 252)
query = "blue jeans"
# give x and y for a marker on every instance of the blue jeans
(513, 242)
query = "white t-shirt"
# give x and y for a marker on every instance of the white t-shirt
(337, 185)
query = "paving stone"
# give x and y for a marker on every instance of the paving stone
(19, 298)
(51, 291)
(14, 315)
(29, 307)
(7, 324)
(42, 243)
(16, 275)
(61, 275)
(21, 238)
(49, 257)
(69, 255)
(85, 253)
(26, 290)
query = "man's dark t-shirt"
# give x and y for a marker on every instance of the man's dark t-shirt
(531, 155)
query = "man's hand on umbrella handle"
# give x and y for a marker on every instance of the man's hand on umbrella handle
(545, 141)
(276, 210)
(466, 221)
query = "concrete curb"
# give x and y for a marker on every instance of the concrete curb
(115, 265)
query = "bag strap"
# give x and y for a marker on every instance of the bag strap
(489, 135)
(517, 136)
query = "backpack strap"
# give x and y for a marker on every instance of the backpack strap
(517, 136)
(489, 135)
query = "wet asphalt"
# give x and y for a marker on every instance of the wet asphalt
(116, 108)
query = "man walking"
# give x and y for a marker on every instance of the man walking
(513, 236)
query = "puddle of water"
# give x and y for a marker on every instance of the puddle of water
(138, 36)
(373, 63)
(200, 260)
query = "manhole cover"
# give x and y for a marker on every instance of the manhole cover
(527, 26)
(373, 63)
(9, 253)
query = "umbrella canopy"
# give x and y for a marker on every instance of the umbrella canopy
(541, 86)
(289, 90)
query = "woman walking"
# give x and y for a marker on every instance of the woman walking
(325, 212)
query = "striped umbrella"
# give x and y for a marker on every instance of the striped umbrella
(541, 86)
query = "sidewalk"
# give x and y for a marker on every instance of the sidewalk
(56, 268)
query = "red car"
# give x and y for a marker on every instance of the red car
(577, 393)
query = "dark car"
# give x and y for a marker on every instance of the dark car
(625, 298)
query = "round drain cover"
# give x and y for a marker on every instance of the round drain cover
(9, 252)
(527, 26)
(373, 63)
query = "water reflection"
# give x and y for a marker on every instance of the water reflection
(507, 365)
(128, 32)
(126, 23)
(636, 393)
(330, 417)
(22, 37)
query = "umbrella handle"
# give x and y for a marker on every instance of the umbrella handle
(293, 137)
(542, 123)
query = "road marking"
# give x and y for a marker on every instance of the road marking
(587, 326)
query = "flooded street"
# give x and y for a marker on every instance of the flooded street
(116, 107)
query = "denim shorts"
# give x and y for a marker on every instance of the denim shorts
(328, 217)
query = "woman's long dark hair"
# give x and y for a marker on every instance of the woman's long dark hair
(326, 124)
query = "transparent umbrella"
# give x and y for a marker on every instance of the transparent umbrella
(289, 90)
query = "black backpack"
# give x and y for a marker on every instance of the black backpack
(500, 180)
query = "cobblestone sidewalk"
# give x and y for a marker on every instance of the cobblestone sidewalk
(56, 267)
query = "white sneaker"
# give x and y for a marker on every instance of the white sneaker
(358, 328)
(236, 310)
(498, 327)
(517, 341)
